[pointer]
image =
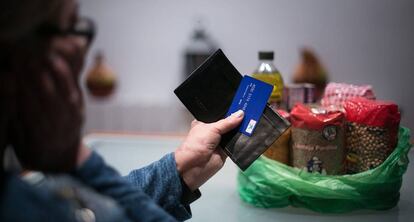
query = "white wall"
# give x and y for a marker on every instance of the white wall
(359, 41)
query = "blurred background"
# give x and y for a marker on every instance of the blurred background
(144, 44)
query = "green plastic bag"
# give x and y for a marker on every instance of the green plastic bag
(270, 184)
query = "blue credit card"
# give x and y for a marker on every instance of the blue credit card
(251, 97)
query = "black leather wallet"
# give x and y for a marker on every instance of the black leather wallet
(208, 93)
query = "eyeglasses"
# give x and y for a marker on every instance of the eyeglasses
(84, 27)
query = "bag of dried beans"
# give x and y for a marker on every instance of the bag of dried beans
(371, 132)
(317, 139)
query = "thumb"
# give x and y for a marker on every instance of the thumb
(225, 125)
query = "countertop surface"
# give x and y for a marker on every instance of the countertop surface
(220, 200)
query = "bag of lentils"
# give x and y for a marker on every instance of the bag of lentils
(372, 130)
(318, 139)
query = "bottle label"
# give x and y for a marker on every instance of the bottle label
(276, 81)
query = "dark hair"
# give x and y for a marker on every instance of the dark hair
(18, 20)
(20, 17)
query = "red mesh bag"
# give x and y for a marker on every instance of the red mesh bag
(337, 93)
(372, 130)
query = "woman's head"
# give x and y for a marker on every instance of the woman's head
(42, 57)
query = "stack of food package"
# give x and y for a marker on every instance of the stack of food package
(349, 132)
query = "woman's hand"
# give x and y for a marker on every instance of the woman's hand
(199, 157)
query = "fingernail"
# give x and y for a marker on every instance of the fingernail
(238, 114)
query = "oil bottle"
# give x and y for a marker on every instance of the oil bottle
(267, 72)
